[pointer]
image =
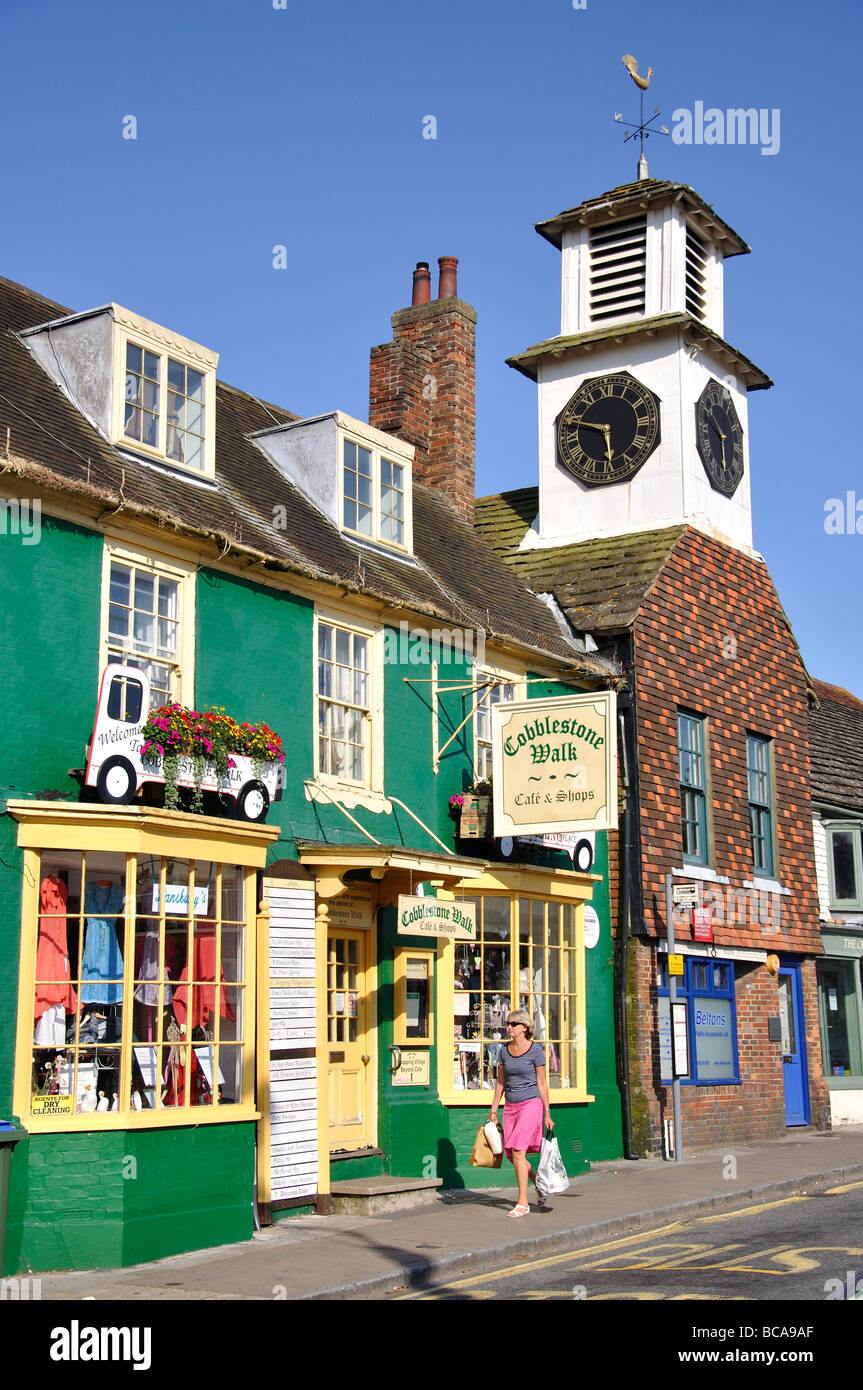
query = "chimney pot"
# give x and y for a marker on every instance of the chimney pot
(422, 284)
(448, 286)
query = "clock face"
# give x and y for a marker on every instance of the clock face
(719, 436)
(608, 429)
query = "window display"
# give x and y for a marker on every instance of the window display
(525, 957)
(139, 988)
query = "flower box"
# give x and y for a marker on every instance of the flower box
(170, 746)
(475, 818)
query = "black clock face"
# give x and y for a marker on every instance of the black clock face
(719, 436)
(608, 429)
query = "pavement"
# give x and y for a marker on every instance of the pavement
(366, 1257)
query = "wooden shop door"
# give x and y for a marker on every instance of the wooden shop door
(348, 1040)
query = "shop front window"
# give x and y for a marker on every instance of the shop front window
(839, 1000)
(140, 985)
(525, 956)
(707, 989)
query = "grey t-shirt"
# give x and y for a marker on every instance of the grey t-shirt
(519, 1073)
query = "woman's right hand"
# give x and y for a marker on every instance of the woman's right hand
(492, 1115)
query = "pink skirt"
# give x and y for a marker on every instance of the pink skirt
(522, 1126)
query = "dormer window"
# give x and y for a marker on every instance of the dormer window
(374, 493)
(164, 399)
(164, 407)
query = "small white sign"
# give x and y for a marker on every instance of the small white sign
(177, 899)
(591, 927)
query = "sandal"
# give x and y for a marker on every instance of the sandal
(519, 1210)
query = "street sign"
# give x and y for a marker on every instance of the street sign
(686, 894)
(675, 965)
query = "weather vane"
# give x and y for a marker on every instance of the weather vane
(643, 129)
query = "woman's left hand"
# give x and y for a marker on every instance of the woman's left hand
(549, 1122)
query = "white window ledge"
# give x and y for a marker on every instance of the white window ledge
(701, 872)
(767, 885)
(348, 796)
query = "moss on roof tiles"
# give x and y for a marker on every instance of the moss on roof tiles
(600, 584)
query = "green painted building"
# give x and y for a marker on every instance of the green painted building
(196, 1004)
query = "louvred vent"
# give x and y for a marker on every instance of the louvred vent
(618, 257)
(696, 275)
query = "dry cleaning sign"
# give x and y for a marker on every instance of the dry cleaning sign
(436, 917)
(555, 764)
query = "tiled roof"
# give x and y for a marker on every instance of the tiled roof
(599, 584)
(458, 578)
(836, 747)
(630, 198)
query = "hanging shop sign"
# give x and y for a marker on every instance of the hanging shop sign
(436, 917)
(555, 764)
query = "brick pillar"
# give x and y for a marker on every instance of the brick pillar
(422, 387)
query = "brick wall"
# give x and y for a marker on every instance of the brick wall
(711, 637)
(422, 387)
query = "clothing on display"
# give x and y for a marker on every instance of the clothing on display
(147, 967)
(54, 986)
(203, 1000)
(102, 966)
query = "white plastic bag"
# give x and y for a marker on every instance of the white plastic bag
(551, 1175)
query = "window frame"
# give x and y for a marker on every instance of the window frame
(516, 889)
(505, 677)
(401, 956)
(689, 991)
(150, 337)
(700, 791)
(759, 809)
(381, 448)
(183, 675)
(45, 828)
(855, 829)
(356, 626)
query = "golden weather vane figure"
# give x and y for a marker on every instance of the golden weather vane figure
(643, 129)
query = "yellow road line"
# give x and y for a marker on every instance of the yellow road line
(847, 1187)
(546, 1261)
(751, 1211)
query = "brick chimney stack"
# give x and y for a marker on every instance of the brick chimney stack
(422, 385)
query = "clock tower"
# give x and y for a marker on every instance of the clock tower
(642, 401)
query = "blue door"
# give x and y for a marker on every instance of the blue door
(794, 1070)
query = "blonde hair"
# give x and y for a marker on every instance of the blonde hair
(521, 1016)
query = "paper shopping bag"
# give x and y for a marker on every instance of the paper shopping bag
(482, 1156)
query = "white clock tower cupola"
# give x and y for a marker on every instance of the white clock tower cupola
(642, 402)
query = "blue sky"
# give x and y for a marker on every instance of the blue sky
(303, 127)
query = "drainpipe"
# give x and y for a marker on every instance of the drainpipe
(630, 875)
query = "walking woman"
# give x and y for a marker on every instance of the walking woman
(521, 1076)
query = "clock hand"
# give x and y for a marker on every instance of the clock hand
(591, 426)
(608, 445)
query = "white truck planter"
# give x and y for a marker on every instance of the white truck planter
(117, 770)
